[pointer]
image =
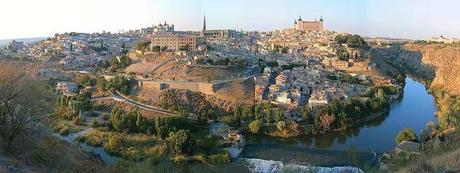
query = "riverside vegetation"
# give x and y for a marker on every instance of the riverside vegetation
(440, 149)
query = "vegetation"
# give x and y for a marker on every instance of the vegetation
(23, 104)
(254, 126)
(120, 83)
(117, 63)
(133, 121)
(407, 134)
(84, 80)
(142, 45)
(181, 141)
(353, 41)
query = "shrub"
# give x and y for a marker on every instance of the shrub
(78, 120)
(179, 159)
(254, 126)
(181, 141)
(114, 144)
(221, 157)
(93, 123)
(407, 134)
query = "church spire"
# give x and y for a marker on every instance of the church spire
(204, 22)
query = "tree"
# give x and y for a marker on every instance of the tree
(279, 114)
(120, 83)
(325, 120)
(23, 103)
(185, 47)
(280, 125)
(406, 134)
(84, 80)
(181, 141)
(305, 113)
(101, 84)
(254, 126)
(142, 45)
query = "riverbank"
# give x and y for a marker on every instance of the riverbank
(360, 145)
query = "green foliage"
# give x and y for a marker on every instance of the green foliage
(221, 157)
(84, 80)
(407, 134)
(291, 66)
(93, 123)
(181, 141)
(83, 102)
(64, 108)
(255, 126)
(353, 41)
(120, 83)
(279, 114)
(185, 47)
(133, 121)
(78, 120)
(101, 84)
(156, 48)
(142, 45)
(272, 64)
(165, 125)
(118, 63)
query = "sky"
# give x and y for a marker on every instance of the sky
(413, 19)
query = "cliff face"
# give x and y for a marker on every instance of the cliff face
(446, 60)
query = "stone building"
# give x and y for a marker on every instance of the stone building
(163, 29)
(307, 26)
(173, 42)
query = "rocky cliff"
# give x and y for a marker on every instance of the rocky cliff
(446, 61)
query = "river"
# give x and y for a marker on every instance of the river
(358, 146)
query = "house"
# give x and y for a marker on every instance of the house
(67, 87)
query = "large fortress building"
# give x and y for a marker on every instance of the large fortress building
(307, 26)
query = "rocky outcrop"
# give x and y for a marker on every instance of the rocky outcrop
(446, 61)
(177, 99)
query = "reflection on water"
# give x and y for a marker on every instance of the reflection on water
(416, 108)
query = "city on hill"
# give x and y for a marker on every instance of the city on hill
(303, 98)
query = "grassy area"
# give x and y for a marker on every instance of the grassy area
(66, 127)
(46, 153)
(444, 158)
(132, 146)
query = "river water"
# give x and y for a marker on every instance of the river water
(358, 146)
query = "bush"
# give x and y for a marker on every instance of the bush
(407, 134)
(93, 123)
(254, 126)
(221, 157)
(179, 159)
(181, 141)
(78, 120)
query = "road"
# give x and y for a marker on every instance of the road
(117, 96)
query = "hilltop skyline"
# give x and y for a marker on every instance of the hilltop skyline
(396, 19)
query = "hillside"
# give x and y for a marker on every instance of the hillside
(446, 60)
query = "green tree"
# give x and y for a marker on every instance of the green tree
(254, 126)
(84, 80)
(279, 114)
(406, 134)
(181, 141)
(185, 47)
(101, 84)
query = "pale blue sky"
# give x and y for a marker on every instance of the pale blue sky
(417, 19)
